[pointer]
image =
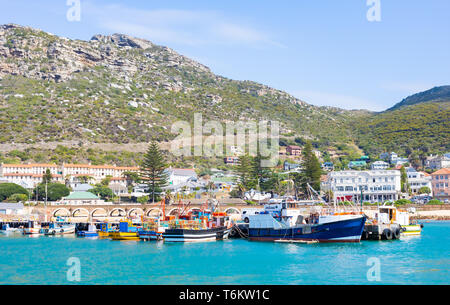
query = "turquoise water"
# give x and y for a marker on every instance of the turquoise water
(43, 260)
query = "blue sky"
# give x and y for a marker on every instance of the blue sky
(325, 52)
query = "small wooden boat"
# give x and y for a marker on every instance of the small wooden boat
(33, 228)
(105, 230)
(60, 229)
(204, 228)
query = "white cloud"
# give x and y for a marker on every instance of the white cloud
(167, 26)
(337, 100)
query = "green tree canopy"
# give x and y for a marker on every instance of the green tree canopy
(55, 191)
(424, 190)
(17, 198)
(9, 189)
(47, 178)
(102, 191)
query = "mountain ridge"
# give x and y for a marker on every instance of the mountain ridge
(126, 90)
(435, 94)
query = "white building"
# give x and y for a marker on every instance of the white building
(29, 174)
(417, 180)
(32, 174)
(394, 159)
(11, 209)
(379, 165)
(376, 185)
(438, 162)
(177, 176)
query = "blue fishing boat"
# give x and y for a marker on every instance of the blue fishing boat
(91, 232)
(276, 224)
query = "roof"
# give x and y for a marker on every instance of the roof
(443, 171)
(30, 165)
(187, 172)
(83, 187)
(81, 195)
(11, 206)
(357, 163)
(294, 147)
(380, 162)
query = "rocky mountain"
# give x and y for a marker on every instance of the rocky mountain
(121, 89)
(114, 91)
(436, 94)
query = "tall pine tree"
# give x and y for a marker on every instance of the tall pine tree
(245, 173)
(153, 170)
(311, 168)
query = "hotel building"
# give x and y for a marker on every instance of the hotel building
(32, 174)
(375, 185)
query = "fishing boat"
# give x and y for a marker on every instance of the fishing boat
(204, 227)
(275, 223)
(391, 223)
(127, 231)
(91, 231)
(33, 228)
(105, 230)
(56, 228)
(153, 229)
(6, 229)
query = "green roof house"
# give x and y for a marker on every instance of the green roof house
(82, 198)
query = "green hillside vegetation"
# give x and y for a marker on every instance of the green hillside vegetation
(121, 90)
(406, 129)
(436, 94)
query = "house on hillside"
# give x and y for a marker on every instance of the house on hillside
(357, 164)
(379, 165)
(293, 150)
(328, 166)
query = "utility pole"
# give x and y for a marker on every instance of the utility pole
(45, 203)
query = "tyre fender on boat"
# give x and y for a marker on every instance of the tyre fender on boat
(387, 233)
(397, 233)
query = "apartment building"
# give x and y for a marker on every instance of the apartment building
(418, 180)
(374, 185)
(29, 175)
(32, 174)
(440, 180)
